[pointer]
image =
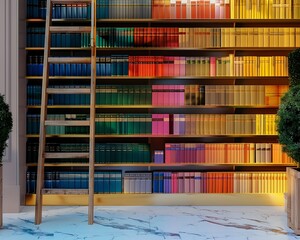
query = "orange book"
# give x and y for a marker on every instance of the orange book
(178, 9)
(193, 9)
(227, 9)
(167, 9)
(212, 9)
(207, 9)
(155, 9)
(183, 9)
(200, 9)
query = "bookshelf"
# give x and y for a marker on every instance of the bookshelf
(144, 54)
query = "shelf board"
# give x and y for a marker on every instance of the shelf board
(185, 22)
(154, 107)
(258, 78)
(149, 136)
(156, 199)
(167, 165)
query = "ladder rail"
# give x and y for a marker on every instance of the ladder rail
(44, 100)
(92, 113)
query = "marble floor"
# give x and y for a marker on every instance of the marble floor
(151, 223)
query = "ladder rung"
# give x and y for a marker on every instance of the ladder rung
(70, 1)
(65, 191)
(53, 155)
(77, 29)
(69, 60)
(68, 91)
(67, 123)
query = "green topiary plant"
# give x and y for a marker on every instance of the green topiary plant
(6, 124)
(288, 121)
(288, 124)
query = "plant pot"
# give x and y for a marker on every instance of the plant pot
(1, 197)
(293, 199)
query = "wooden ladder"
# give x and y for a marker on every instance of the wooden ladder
(42, 155)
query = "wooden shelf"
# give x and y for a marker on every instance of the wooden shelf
(166, 165)
(217, 80)
(156, 107)
(182, 199)
(150, 136)
(182, 22)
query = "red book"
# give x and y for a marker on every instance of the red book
(154, 124)
(183, 9)
(168, 153)
(212, 66)
(155, 10)
(213, 9)
(200, 9)
(178, 9)
(130, 66)
(167, 9)
(193, 9)
(227, 9)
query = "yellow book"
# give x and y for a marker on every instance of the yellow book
(296, 9)
(292, 37)
(297, 33)
(254, 13)
(232, 9)
(271, 9)
(284, 37)
(266, 37)
(272, 37)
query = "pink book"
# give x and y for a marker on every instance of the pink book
(180, 178)
(155, 95)
(222, 9)
(166, 95)
(175, 177)
(181, 95)
(192, 182)
(160, 124)
(168, 152)
(172, 9)
(166, 124)
(212, 66)
(176, 124)
(160, 95)
(176, 66)
(186, 180)
(217, 9)
(182, 67)
(172, 95)
(155, 124)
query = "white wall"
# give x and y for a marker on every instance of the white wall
(13, 85)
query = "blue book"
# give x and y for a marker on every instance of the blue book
(83, 69)
(63, 11)
(78, 69)
(56, 69)
(40, 66)
(68, 69)
(62, 69)
(69, 10)
(51, 69)
(118, 182)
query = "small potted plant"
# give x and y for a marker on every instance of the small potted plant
(288, 126)
(6, 124)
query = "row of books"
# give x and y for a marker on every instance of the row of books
(166, 95)
(277, 9)
(137, 182)
(105, 66)
(104, 182)
(104, 152)
(159, 66)
(219, 182)
(171, 37)
(220, 153)
(164, 182)
(162, 124)
(172, 9)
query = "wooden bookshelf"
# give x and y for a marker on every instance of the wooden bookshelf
(158, 141)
